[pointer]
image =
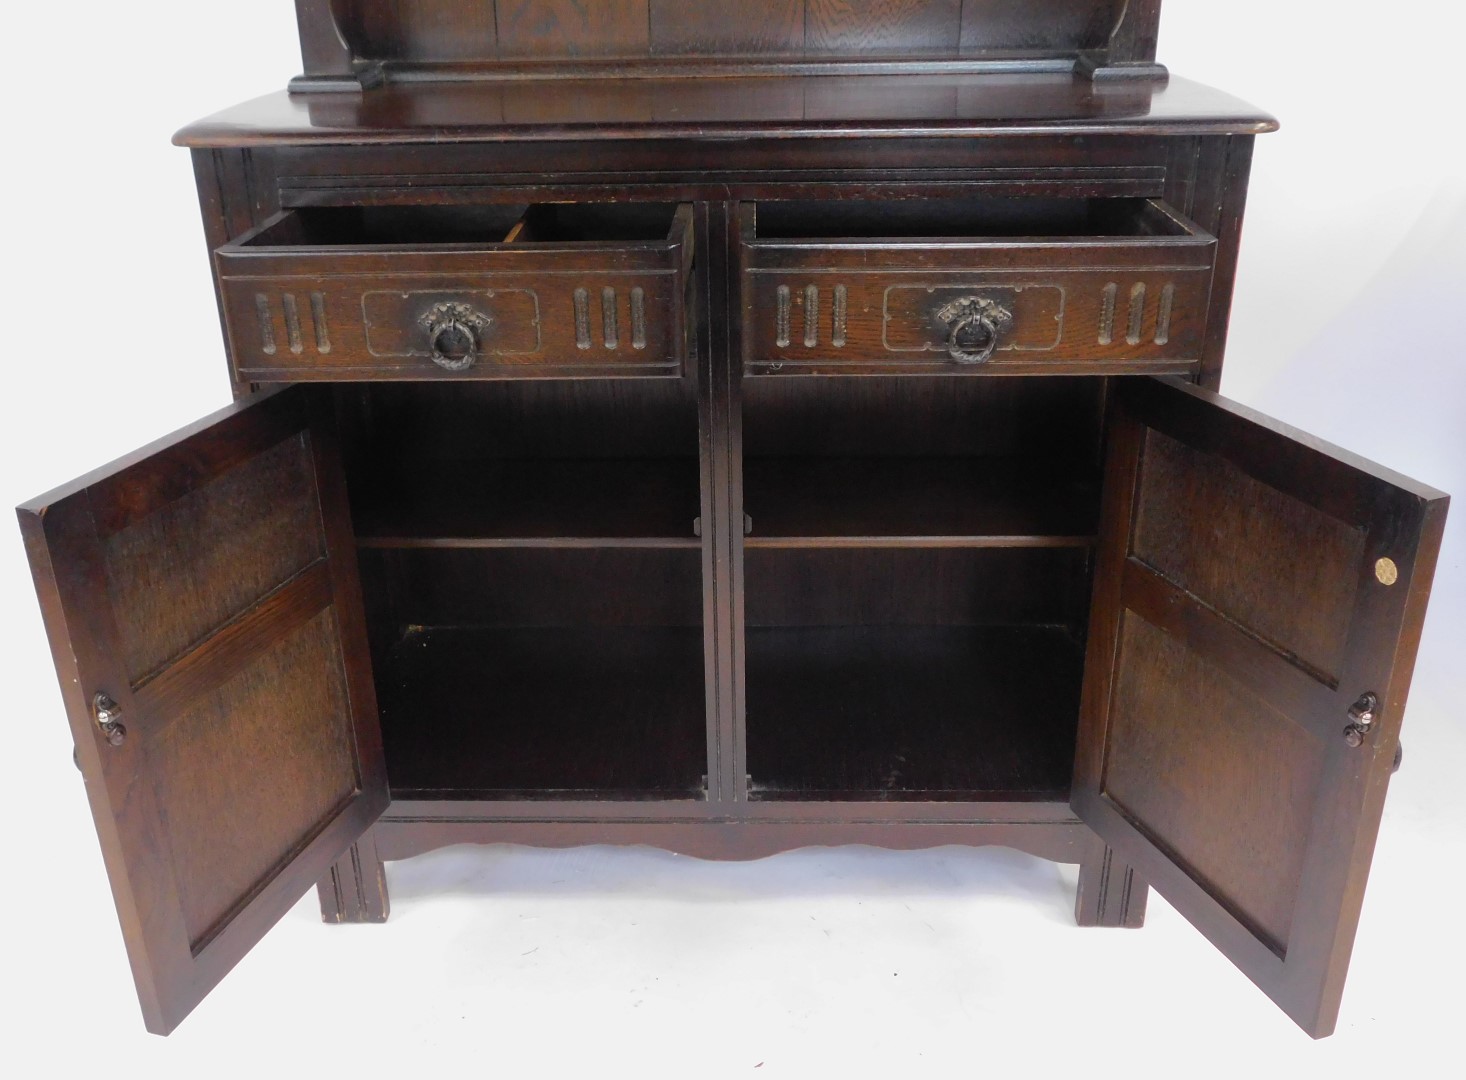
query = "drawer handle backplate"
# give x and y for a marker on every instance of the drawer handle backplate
(454, 331)
(974, 326)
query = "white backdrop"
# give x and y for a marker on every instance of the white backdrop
(1346, 323)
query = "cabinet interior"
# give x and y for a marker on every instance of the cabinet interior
(533, 585)
(917, 578)
(917, 574)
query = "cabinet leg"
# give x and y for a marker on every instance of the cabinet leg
(1109, 892)
(355, 890)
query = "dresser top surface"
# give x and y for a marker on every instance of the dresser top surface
(702, 107)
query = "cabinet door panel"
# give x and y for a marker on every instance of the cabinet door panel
(1258, 601)
(203, 608)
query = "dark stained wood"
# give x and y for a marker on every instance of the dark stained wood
(917, 502)
(893, 585)
(897, 825)
(250, 531)
(1104, 286)
(448, 30)
(431, 426)
(1212, 755)
(537, 713)
(572, 28)
(1110, 893)
(919, 713)
(1222, 210)
(1200, 522)
(329, 60)
(249, 762)
(1054, 423)
(686, 107)
(890, 26)
(603, 585)
(237, 645)
(723, 515)
(483, 36)
(534, 503)
(355, 890)
(616, 583)
(338, 294)
(1034, 27)
(718, 28)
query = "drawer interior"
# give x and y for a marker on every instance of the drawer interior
(371, 226)
(966, 218)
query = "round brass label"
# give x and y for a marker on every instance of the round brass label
(1387, 572)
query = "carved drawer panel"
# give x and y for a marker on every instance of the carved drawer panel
(1102, 286)
(451, 292)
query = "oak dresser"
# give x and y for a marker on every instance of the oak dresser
(733, 427)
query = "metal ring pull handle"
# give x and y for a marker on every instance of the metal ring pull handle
(975, 325)
(454, 332)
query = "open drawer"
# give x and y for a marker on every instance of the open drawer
(486, 292)
(1095, 286)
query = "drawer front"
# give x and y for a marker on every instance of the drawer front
(500, 311)
(1077, 306)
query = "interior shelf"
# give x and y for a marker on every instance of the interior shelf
(554, 713)
(644, 502)
(953, 713)
(917, 502)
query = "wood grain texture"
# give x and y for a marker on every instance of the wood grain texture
(1048, 263)
(445, 30)
(1267, 847)
(238, 644)
(485, 31)
(252, 770)
(838, 104)
(720, 28)
(250, 761)
(572, 28)
(223, 548)
(1201, 523)
(894, 27)
(899, 669)
(1035, 27)
(378, 302)
(1230, 787)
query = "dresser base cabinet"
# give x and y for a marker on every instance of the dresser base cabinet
(1175, 650)
(664, 424)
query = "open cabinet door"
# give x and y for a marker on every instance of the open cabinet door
(1258, 601)
(203, 606)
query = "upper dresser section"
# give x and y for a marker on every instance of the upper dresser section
(354, 43)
